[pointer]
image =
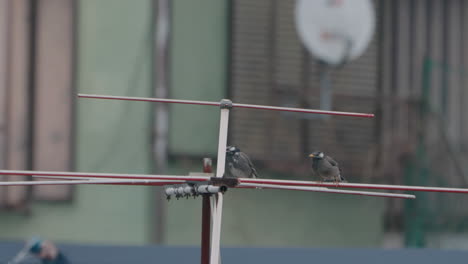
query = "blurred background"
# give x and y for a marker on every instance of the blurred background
(412, 76)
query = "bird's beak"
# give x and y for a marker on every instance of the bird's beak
(311, 155)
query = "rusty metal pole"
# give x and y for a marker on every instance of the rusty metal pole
(206, 218)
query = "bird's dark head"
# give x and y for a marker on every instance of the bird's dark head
(231, 150)
(317, 155)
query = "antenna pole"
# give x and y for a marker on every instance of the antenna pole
(206, 218)
(206, 225)
(325, 87)
(217, 199)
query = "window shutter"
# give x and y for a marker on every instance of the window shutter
(15, 111)
(3, 87)
(35, 94)
(53, 98)
(270, 66)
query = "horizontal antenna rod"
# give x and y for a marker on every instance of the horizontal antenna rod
(355, 185)
(250, 106)
(99, 181)
(61, 174)
(326, 190)
(177, 178)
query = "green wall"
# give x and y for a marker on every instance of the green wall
(113, 58)
(198, 72)
(287, 218)
(114, 136)
(281, 218)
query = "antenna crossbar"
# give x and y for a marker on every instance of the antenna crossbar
(243, 181)
(249, 106)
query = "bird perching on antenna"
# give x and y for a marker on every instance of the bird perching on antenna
(238, 164)
(326, 167)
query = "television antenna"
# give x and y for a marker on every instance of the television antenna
(215, 185)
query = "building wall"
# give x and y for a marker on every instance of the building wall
(114, 55)
(113, 58)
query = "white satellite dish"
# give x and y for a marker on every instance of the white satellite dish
(335, 31)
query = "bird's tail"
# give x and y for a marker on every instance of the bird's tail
(254, 174)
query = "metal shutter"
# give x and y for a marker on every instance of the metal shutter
(270, 66)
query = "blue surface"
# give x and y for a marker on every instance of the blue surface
(81, 254)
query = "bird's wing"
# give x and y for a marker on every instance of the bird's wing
(254, 173)
(246, 158)
(228, 167)
(335, 164)
(331, 161)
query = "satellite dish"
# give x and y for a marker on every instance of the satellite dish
(335, 31)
